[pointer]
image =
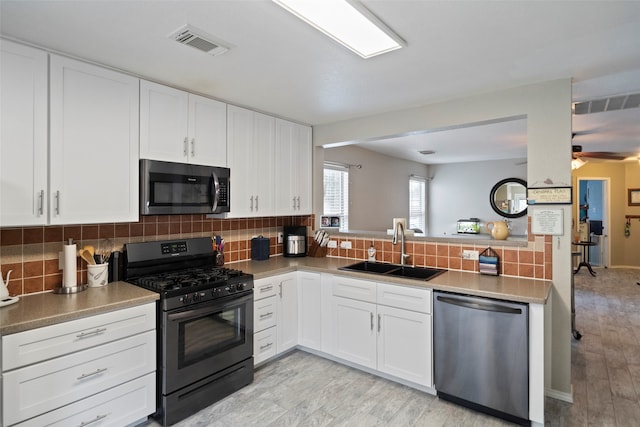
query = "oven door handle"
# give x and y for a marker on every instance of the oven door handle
(209, 307)
(215, 191)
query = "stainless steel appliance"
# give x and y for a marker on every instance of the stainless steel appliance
(205, 323)
(180, 188)
(481, 354)
(295, 241)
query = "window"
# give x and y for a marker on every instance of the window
(336, 192)
(417, 204)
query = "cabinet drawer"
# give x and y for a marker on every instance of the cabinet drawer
(362, 290)
(118, 406)
(36, 345)
(264, 314)
(263, 288)
(264, 345)
(39, 388)
(405, 298)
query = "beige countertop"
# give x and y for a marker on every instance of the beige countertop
(37, 310)
(502, 287)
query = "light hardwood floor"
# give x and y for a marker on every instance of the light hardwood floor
(301, 389)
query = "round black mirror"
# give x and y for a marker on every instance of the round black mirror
(508, 198)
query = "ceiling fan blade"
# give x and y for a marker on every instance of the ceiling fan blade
(600, 155)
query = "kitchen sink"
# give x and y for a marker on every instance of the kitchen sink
(417, 273)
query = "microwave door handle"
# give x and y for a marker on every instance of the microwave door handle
(215, 191)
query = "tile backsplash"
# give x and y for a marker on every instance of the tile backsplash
(32, 252)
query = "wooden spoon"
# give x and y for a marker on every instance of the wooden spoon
(86, 255)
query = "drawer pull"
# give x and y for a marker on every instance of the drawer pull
(91, 333)
(266, 288)
(262, 347)
(95, 420)
(90, 374)
(269, 314)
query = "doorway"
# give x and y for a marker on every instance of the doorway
(593, 216)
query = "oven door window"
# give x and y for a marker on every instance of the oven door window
(210, 333)
(180, 190)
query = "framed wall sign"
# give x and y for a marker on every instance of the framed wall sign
(547, 221)
(549, 195)
(634, 196)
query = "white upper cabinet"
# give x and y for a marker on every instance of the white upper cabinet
(250, 143)
(176, 126)
(293, 163)
(23, 140)
(94, 129)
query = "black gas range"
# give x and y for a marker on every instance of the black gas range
(205, 323)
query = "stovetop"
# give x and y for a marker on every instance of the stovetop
(196, 278)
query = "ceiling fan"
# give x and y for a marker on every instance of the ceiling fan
(577, 153)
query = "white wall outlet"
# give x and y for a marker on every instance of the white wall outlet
(345, 245)
(332, 244)
(280, 237)
(472, 255)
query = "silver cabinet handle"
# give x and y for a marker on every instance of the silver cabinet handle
(57, 204)
(251, 206)
(280, 292)
(265, 315)
(298, 202)
(262, 347)
(90, 374)
(294, 203)
(371, 320)
(256, 203)
(266, 288)
(193, 147)
(96, 419)
(185, 146)
(379, 322)
(91, 333)
(41, 203)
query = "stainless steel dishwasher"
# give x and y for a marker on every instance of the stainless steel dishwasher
(481, 359)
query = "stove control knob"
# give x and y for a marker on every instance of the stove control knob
(240, 286)
(196, 297)
(186, 299)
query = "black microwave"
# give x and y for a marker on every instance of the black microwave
(181, 188)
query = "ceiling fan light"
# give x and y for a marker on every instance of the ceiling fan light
(577, 163)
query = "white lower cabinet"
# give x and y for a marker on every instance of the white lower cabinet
(287, 302)
(393, 340)
(310, 310)
(98, 375)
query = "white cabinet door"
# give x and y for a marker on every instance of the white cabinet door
(207, 131)
(264, 345)
(404, 344)
(310, 310)
(163, 123)
(287, 327)
(23, 135)
(293, 168)
(176, 126)
(94, 116)
(354, 331)
(250, 151)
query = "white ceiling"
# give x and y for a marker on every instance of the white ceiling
(279, 65)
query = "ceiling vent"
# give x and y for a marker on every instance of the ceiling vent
(198, 39)
(612, 103)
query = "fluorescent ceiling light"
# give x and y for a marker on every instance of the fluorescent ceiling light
(347, 22)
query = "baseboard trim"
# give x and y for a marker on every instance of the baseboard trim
(559, 395)
(626, 266)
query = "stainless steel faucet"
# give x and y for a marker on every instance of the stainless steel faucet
(403, 255)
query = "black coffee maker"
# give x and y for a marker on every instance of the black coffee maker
(294, 241)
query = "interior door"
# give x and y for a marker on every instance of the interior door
(593, 209)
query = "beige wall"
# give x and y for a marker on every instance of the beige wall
(621, 176)
(547, 107)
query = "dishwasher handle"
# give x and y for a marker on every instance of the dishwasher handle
(487, 306)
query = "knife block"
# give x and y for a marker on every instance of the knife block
(315, 250)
